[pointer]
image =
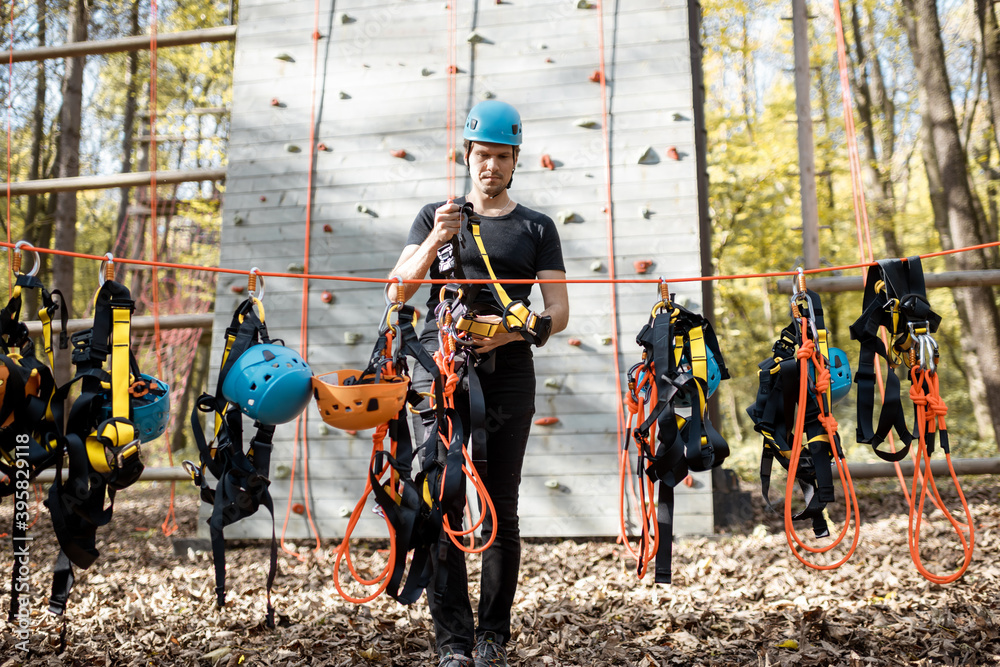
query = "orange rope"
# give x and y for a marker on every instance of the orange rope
(302, 421)
(807, 351)
(486, 281)
(649, 538)
(931, 411)
(865, 243)
(609, 212)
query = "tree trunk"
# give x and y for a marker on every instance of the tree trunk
(69, 166)
(989, 32)
(128, 131)
(976, 305)
(31, 230)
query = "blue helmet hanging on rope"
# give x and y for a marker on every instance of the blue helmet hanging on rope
(150, 399)
(270, 383)
(840, 374)
(493, 122)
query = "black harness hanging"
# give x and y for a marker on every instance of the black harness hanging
(895, 298)
(685, 442)
(103, 453)
(30, 423)
(773, 415)
(241, 477)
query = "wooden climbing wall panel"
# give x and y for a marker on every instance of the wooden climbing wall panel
(380, 85)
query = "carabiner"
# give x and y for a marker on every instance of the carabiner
(107, 268)
(16, 263)
(252, 279)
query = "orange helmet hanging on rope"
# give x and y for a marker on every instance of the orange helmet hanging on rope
(356, 402)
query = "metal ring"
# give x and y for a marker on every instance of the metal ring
(34, 269)
(259, 294)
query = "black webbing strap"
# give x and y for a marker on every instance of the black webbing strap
(895, 296)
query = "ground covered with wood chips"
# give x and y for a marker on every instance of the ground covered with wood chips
(737, 599)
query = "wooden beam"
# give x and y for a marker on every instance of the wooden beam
(142, 323)
(226, 33)
(856, 283)
(939, 467)
(175, 474)
(133, 180)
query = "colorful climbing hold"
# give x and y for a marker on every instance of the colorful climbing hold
(547, 162)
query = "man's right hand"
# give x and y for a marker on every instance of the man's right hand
(447, 222)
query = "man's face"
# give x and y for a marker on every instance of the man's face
(491, 166)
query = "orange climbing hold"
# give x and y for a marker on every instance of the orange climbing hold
(673, 154)
(546, 421)
(642, 265)
(399, 153)
(595, 76)
(299, 508)
(547, 162)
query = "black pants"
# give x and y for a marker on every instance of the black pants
(509, 393)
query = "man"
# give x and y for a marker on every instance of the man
(520, 243)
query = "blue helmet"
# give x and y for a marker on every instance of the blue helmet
(269, 383)
(150, 409)
(714, 373)
(840, 374)
(493, 122)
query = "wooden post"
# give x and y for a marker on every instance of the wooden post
(803, 110)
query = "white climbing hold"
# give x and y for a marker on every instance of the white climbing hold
(475, 38)
(552, 484)
(603, 340)
(344, 511)
(426, 72)
(362, 208)
(585, 4)
(282, 471)
(237, 219)
(285, 57)
(352, 337)
(344, 18)
(596, 265)
(586, 122)
(295, 267)
(323, 429)
(344, 96)
(292, 148)
(553, 383)
(644, 212)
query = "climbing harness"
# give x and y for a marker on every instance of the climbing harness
(799, 384)
(101, 438)
(681, 367)
(895, 298)
(269, 383)
(30, 432)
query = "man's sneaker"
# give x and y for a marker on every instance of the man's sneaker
(489, 652)
(450, 659)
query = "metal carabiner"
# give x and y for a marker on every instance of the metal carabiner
(16, 264)
(928, 353)
(252, 279)
(107, 268)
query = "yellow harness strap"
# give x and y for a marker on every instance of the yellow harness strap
(120, 431)
(518, 315)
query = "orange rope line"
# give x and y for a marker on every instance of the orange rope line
(610, 217)
(169, 525)
(302, 421)
(486, 281)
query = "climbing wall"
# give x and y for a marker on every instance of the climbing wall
(379, 86)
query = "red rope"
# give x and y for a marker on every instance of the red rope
(609, 212)
(302, 421)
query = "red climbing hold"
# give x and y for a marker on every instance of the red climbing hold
(547, 162)
(299, 508)
(328, 229)
(546, 421)
(595, 76)
(575, 342)
(452, 69)
(642, 265)
(326, 296)
(399, 153)
(673, 154)
(689, 481)
(263, 197)
(321, 147)
(275, 102)
(237, 289)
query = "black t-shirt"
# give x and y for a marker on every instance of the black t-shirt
(519, 245)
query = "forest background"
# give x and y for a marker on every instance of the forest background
(925, 90)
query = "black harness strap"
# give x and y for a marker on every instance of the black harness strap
(895, 297)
